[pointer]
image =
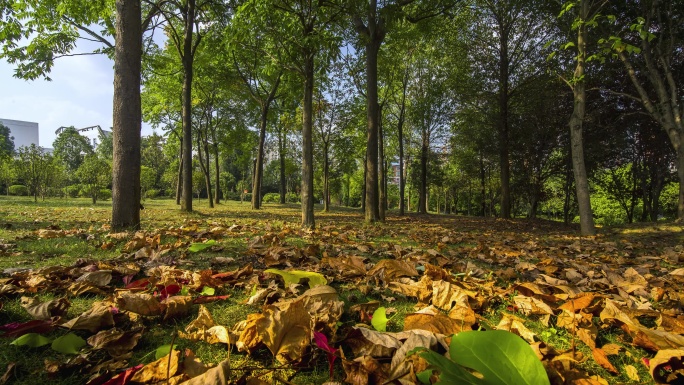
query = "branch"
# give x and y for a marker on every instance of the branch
(90, 32)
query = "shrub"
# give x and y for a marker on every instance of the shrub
(72, 191)
(152, 193)
(271, 198)
(19, 190)
(104, 194)
(292, 198)
(231, 196)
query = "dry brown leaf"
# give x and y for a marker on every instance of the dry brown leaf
(672, 357)
(531, 305)
(159, 370)
(446, 295)
(437, 323)
(324, 307)
(348, 266)
(176, 306)
(286, 330)
(401, 368)
(579, 303)
(139, 303)
(601, 359)
(98, 317)
(204, 320)
(116, 342)
(388, 270)
(515, 325)
(99, 278)
(45, 310)
(366, 342)
(406, 286)
(193, 366)
(363, 370)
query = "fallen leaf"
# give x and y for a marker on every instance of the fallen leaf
(158, 370)
(45, 310)
(601, 359)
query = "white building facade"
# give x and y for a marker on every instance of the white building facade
(24, 133)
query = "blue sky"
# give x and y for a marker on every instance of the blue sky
(80, 94)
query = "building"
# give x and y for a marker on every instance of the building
(24, 133)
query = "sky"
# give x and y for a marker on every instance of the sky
(80, 95)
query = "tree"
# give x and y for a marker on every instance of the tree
(95, 174)
(127, 116)
(6, 142)
(71, 148)
(587, 15)
(649, 51)
(33, 164)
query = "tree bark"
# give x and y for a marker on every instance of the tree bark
(259, 169)
(400, 130)
(576, 123)
(422, 195)
(382, 170)
(308, 221)
(504, 162)
(217, 170)
(179, 179)
(326, 178)
(281, 155)
(186, 204)
(127, 116)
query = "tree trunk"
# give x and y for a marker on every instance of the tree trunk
(483, 191)
(217, 172)
(186, 204)
(259, 169)
(422, 195)
(504, 162)
(400, 129)
(383, 171)
(281, 154)
(576, 122)
(365, 178)
(127, 117)
(179, 179)
(308, 221)
(205, 170)
(376, 34)
(326, 176)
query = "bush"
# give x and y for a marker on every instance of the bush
(231, 196)
(72, 191)
(271, 198)
(19, 190)
(152, 193)
(292, 198)
(104, 194)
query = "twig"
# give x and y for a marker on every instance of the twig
(168, 365)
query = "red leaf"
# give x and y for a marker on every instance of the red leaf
(139, 284)
(170, 290)
(322, 342)
(120, 379)
(17, 329)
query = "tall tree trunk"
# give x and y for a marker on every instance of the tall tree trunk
(281, 155)
(576, 123)
(179, 178)
(383, 171)
(400, 130)
(365, 178)
(205, 169)
(217, 170)
(186, 204)
(483, 191)
(259, 169)
(375, 35)
(504, 162)
(127, 116)
(308, 221)
(422, 195)
(326, 177)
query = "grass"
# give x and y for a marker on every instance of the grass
(484, 242)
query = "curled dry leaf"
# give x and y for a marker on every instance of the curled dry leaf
(98, 278)
(367, 342)
(435, 323)
(601, 359)
(115, 341)
(672, 357)
(364, 370)
(139, 303)
(177, 306)
(388, 270)
(348, 266)
(98, 317)
(45, 310)
(286, 330)
(159, 370)
(515, 325)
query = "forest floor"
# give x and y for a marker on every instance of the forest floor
(247, 297)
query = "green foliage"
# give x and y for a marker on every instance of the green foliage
(94, 174)
(163, 351)
(32, 340)
(105, 194)
(379, 320)
(72, 148)
(153, 193)
(500, 356)
(18, 190)
(197, 247)
(295, 276)
(271, 198)
(73, 191)
(68, 344)
(6, 142)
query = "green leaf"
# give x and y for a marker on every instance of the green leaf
(68, 344)
(294, 276)
(208, 291)
(185, 290)
(424, 376)
(379, 320)
(568, 45)
(32, 340)
(500, 356)
(163, 351)
(449, 372)
(197, 247)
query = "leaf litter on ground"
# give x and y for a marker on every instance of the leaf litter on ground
(459, 281)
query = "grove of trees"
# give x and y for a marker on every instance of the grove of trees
(567, 110)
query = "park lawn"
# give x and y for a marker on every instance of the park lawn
(503, 265)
